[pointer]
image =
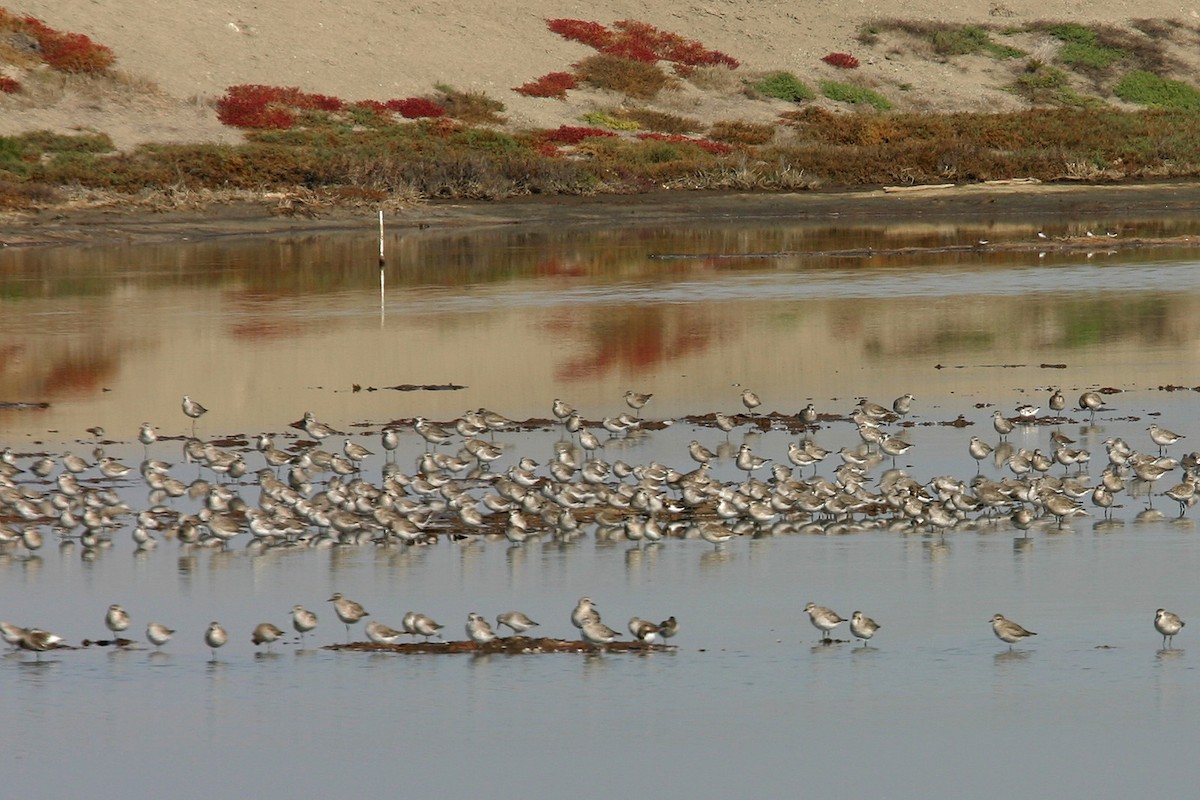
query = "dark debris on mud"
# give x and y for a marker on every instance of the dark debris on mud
(511, 645)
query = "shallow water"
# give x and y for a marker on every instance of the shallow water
(260, 331)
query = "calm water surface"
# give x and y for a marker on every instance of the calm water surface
(750, 703)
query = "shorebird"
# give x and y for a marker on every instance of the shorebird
(422, 626)
(1163, 437)
(194, 410)
(808, 415)
(265, 633)
(215, 637)
(147, 435)
(747, 461)
(874, 412)
(116, 620)
(637, 400)
(724, 423)
(598, 634)
(903, 404)
(823, 619)
(1008, 631)
(699, 453)
(348, 611)
(979, 450)
(355, 452)
(390, 439)
(314, 428)
(39, 641)
(644, 631)
(379, 633)
(585, 611)
(1183, 493)
(668, 627)
(1057, 402)
(1091, 401)
(1027, 412)
(561, 410)
(750, 401)
(1168, 625)
(158, 634)
(11, 633)
(515, 620)
(303, 620)
(862, 627)
(478, 629)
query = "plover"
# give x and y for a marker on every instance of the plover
(862, 627)
(822, 618)
(1008, 631)
(1168, 625)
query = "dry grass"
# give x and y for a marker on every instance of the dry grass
(637, 79)
(715, 78)
(741, 132)
(660, 121)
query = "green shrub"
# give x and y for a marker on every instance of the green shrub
(783, 86)
(1148, 89)
(969, 40)
(1082, 47)
(609, 121)
(851, 93)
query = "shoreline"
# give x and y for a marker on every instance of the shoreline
(1037, 203)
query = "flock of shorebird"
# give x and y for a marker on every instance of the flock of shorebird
(863, 628)
(585, 617)
(312, 497)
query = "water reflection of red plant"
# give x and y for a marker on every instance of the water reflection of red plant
(264, 329)
(553, 266)
(635, 339)
(76, 375)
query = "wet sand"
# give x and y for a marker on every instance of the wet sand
(1041, 202)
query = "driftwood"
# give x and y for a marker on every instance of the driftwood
(511, 645)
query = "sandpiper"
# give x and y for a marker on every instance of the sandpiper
(265, 633)
(1091, 401)
(979, 450)
(1168, 625)
(348, 611)
(668, 627)
(116, 620)
(314, 428)
(515, 620)
(215, 637)
(584, 611)
(1163, 437)
(750, 401)
(423, 626)
(823, 619)
(194, 410)
(478, 629)
(903, 404)
(379, 633)
(808, 415)
(1057, 402)
(1002, 424)
(862, 627)
(1008, 631)
(645, 631)
(636, 400)
(39, 641)
(12, 634)
(597, 633)
(303, 620)
(158, 634)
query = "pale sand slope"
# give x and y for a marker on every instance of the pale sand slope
(381, 49)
